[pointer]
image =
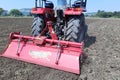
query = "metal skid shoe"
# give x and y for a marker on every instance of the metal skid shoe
(58, 54)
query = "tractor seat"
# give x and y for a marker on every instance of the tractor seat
(49, 4)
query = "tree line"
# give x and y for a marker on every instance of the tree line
(104, 14)
(12, 12)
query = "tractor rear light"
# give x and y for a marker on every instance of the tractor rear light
(67, 8)
(77, 9)
(34, 9)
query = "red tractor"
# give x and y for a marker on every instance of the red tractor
(57, 37)
(69, 23)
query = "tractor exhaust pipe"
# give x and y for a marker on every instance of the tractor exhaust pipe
(43, 3)
(85, 2)
(81, 2)
(35, 3)
(70, 3)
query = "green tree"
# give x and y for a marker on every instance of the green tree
(1, 11)
(15, 12)
(109, 14)
(104, 14)
(116, 14)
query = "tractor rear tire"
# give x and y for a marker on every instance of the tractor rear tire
(75, 29)
(37, 26)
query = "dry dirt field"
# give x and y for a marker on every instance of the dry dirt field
(102, 47)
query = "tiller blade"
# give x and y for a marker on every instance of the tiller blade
(57, 54)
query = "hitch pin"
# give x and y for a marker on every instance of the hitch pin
(18, 54)
(58, 51)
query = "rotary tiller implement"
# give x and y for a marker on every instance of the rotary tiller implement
(57, 54)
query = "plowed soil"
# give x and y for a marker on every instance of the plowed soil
(102, 48)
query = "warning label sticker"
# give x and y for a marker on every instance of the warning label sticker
(40, 54)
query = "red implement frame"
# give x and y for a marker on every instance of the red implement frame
(61, 55)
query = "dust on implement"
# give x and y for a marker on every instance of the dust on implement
(56, 42)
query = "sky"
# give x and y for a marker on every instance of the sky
(92, 5)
